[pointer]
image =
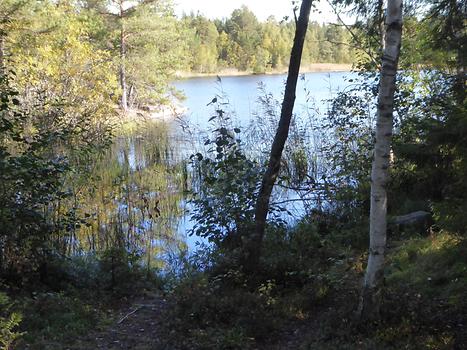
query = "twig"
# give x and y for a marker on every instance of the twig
(350, 31)
(129, 314)
(292, 200)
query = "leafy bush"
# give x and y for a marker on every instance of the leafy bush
(9, 322)
(227, 186)
(58, 317)
(120, 272)
(221, 312)
(31, 180)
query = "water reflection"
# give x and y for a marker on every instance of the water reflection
(135, 195)
(252, 104)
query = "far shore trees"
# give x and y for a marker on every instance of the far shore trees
(147, 44)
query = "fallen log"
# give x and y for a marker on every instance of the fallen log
(417, 220)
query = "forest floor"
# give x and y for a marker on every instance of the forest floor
(136, 326)
(139, 326)
(424, 308)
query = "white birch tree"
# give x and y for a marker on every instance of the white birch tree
(373, 282)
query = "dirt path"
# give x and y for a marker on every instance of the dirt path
(137, 327)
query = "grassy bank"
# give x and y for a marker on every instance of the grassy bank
(303, 298)
(232, 72)
(307, 292)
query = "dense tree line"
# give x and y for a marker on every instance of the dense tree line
(243, 42)
(140, 46)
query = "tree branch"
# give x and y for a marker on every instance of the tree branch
(351, 32)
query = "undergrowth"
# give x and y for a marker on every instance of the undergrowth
(78, 296)
(303, 297)
(306, 293)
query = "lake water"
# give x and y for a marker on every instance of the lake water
(137, 193)
(243, 92)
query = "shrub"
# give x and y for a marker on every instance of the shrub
(9, 322)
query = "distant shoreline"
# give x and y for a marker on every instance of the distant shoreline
(233, 72)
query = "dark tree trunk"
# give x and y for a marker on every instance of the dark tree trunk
(381, 25)
(124, 99)
(458, 29)
(254, 242)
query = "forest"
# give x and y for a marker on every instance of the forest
(244, 43)
(309, 224)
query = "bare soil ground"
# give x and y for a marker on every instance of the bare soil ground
(135, 327)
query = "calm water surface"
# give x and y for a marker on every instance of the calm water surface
(243, 92)
(136, 190)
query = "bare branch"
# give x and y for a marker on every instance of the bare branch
(351, 32)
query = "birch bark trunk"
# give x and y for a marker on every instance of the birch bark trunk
(372, 289)
(2, 52)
